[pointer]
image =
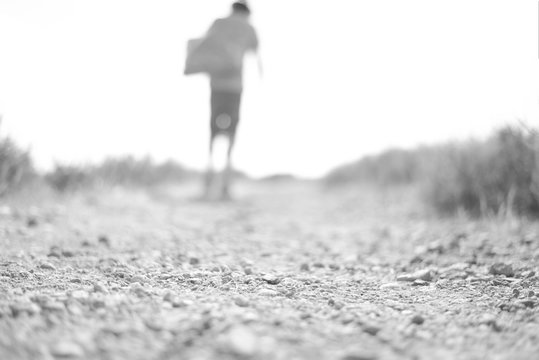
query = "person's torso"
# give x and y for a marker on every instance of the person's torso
(237, 36)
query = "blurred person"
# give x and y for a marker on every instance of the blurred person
(225, 45)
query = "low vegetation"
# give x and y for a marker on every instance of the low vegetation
(125, 171)
(16, 168)
(499, 175)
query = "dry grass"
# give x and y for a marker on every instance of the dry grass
(496, 176)
(16, 168)
(125, 171)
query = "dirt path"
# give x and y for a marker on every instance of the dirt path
(286, 272)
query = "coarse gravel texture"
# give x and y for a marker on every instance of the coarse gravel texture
(287, 271)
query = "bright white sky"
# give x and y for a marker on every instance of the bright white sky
(84, 79)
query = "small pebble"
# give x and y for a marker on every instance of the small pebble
(98, 287)
(393, 285)
(268, 292)
(68, 253)
(271, 279)
(55, 252)
(360, 356)
(246, 262)
(155, 324)
(169, 296)
(139, 278)
(41, 299)
(80, 294)
(53, 306)
(487, 319)
(225, 268)
(502, 269)
(137, 288)
(419, 282)
(98, 303)
(418, 319)
(371, 329)
(242, 341)
(20, 308)
(304, 267)
(17, 291)
(490, 320)
(75, 310)
(335, 304)
(528, 303)
(6, 211)
(47, 266)
(32, 222)
(104, 240)
(67, 349)
(241, 301)
(425, 275)
(179, 303)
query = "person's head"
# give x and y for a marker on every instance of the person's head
(241, 8)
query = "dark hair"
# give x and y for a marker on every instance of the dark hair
(241, 6)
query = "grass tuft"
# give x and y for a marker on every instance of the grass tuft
(16, 167)
(499, 175)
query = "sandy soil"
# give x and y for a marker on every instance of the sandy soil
(288, 271)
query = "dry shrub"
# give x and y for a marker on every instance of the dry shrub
(65, 178)
(16, 168)
(124, 171)
(499, 175)
(140, 172)
(392, 167)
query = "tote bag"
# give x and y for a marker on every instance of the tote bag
(207, 55)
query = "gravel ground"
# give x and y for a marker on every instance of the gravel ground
(287, 271)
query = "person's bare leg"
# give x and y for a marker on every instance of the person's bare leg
(209, 176)
(227, 172)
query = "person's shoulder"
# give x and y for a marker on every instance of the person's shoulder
(219, 21)
(249, 25)
(225, 22)
(235, 23)
(252, 28)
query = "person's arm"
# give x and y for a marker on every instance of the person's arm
(259, 62)
(255, 47)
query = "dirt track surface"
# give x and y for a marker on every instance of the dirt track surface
(285, 272)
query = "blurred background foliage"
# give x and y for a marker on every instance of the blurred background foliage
(497, 175)
(16, 167)
(125, 171)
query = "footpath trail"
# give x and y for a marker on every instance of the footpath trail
(288, 271)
